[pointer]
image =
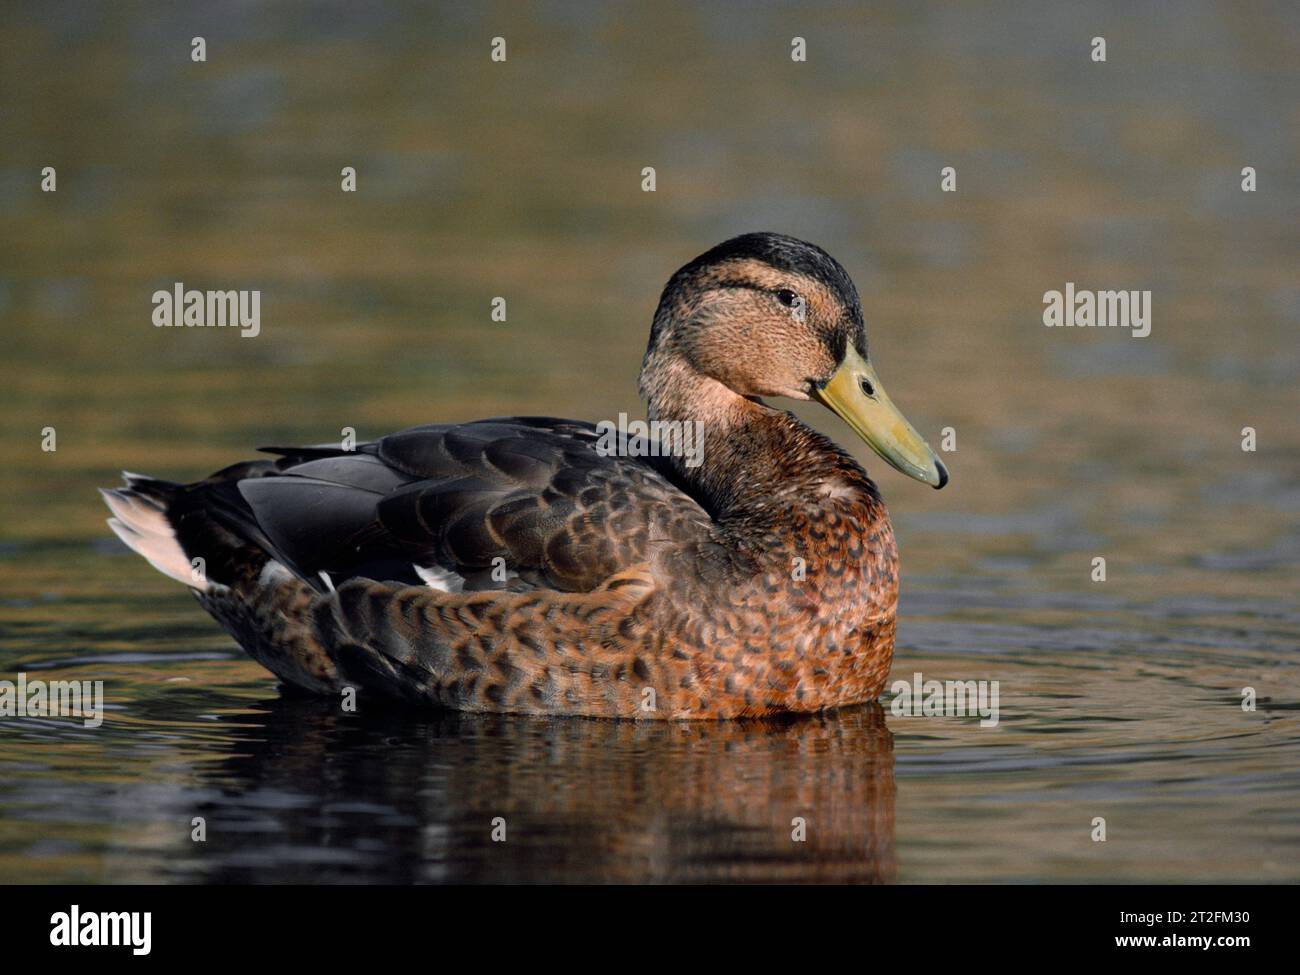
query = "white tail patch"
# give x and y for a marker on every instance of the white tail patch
(436, 577)
(274, 574)
(143, 526)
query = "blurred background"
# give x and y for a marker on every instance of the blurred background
(522, 179)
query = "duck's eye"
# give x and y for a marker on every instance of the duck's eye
(866, 387)
(787, 297)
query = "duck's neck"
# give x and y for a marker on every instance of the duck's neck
(756, 462)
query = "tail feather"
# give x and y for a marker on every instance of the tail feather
(140, 520)
(265, 606)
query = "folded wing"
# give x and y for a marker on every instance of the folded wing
(508, 503)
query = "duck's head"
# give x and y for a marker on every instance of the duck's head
(769, 315)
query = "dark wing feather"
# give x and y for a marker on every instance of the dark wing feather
(531, 491)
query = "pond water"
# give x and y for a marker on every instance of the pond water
(1119, 699)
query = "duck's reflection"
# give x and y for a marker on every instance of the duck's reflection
(313, 794)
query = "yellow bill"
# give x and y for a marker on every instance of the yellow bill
(855, 395)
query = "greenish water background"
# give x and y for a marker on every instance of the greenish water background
(522, 180)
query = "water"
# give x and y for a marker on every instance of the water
(1119, 699)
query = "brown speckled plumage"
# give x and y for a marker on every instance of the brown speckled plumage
(763, 580)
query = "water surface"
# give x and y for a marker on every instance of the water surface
(1119, 699)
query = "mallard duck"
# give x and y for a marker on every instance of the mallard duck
(544, 566)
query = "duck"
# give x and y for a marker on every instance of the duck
(542, 566)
